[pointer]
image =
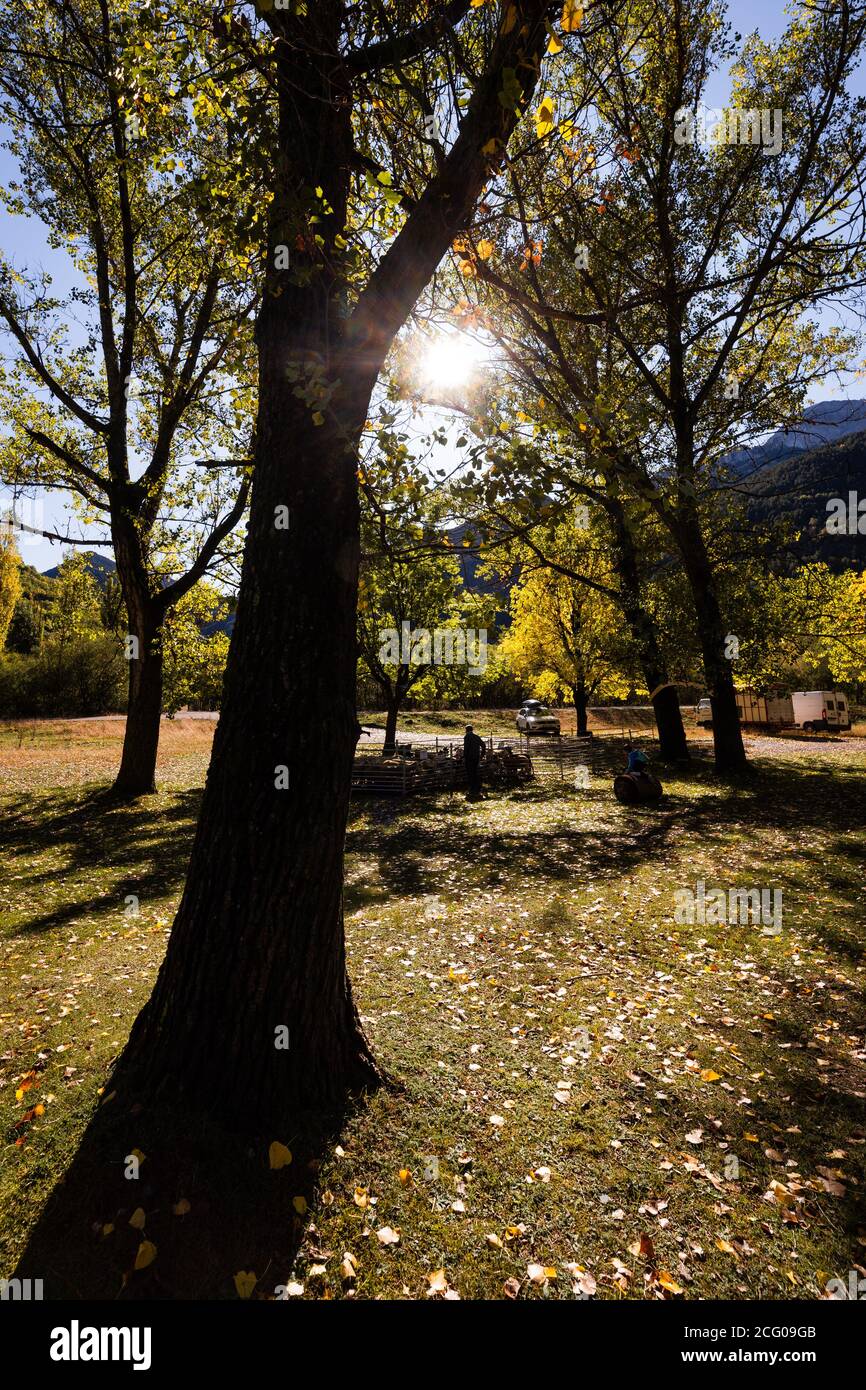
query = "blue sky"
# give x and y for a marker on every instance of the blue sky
(23, 242)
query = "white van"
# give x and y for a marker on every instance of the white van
(821, 709)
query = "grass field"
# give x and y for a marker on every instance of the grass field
(590, 1099)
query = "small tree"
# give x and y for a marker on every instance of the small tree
(568, 636)
(157, 371)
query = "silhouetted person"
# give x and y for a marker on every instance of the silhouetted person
(473, 747)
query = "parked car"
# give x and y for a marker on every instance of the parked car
(535, 718)
(821, 709)
(704, 713)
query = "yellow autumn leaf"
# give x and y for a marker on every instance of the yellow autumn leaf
(544, 117)
(668, 1283)
(709, 1075)
(554, 46)
(245, 1282)
(572, 16)
(300, 1205)
(725, 1247)
(404, 1176)
(181, 1208)
(146, 1254)
(485, 250)
(279, 1155)
(137, 1219)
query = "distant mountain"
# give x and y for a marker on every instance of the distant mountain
(100, 566)
(826, 422)
(799, 488)
(225, 625)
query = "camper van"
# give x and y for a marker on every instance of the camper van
(821, 709)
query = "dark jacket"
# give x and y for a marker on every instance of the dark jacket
(473, 747)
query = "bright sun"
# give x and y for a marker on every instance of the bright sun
(451, 360)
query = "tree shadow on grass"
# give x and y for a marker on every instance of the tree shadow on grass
(133, 847)
(242, 1216)
(205, 1208)
(427, 832)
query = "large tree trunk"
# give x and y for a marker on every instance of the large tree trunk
(730, 754)
(665, 701)
(256, 955)
(257, 945)
(393, 704)
(669, 719)
(137, 774)
(579, 697)
(393, 709)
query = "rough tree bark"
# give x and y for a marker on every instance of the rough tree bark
(394, 698)
(137, 773)
(257, 944)
(578, 695)
(665, 702)
(730, 754)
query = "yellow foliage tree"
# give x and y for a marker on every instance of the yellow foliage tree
(567, 639)
(10, 582)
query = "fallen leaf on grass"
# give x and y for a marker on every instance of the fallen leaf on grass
(278, 1155)
(668, 1284)
(146, 1254)
(245, 1281)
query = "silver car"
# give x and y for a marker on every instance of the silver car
(535, 718)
